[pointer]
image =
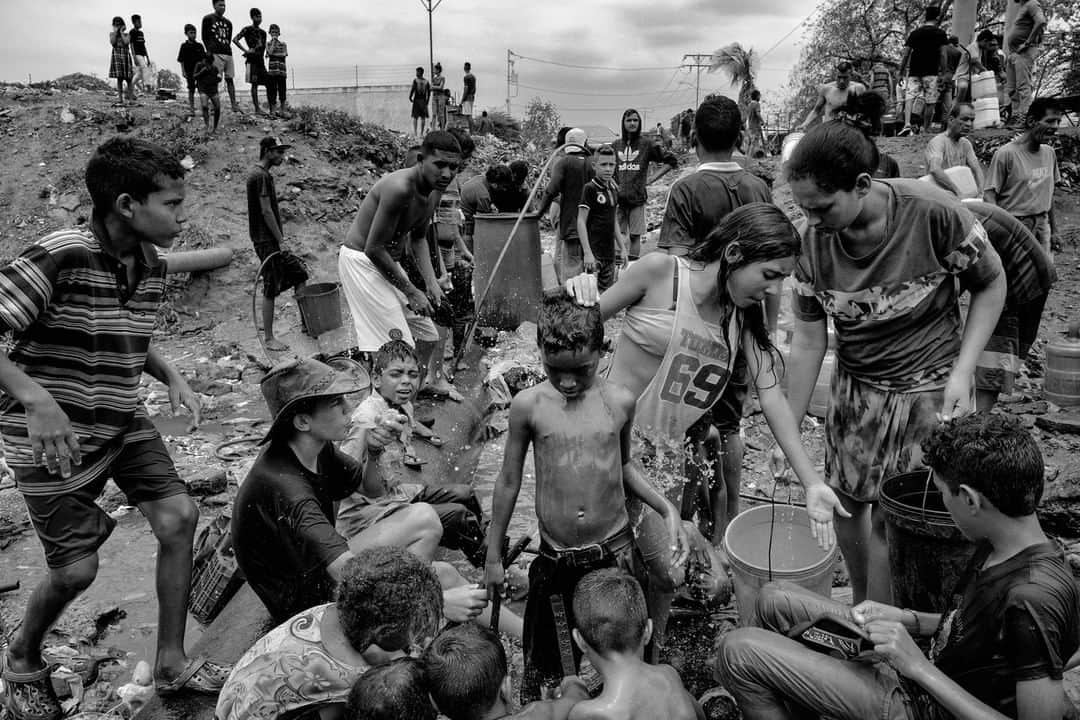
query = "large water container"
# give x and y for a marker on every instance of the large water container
(1062, 383)
(987, 113)
(984, 85)
(962, 178)
(516, 293)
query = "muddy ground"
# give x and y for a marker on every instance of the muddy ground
(206, 325)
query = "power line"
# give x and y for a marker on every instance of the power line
(594, 67)
(789, 34)
(593, 94)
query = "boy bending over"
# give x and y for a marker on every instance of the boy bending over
(580, 430)
(612, 630)
(998, 651)
(386, 457)
(394, 691)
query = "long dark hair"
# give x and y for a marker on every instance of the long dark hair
(835, 153)
(764, 233)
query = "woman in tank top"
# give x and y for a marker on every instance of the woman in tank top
(686, 318)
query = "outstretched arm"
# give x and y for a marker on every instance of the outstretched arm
(819, 107)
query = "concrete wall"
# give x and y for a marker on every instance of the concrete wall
(386, 105)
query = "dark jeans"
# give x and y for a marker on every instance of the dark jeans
(774, 677)
(275, 89)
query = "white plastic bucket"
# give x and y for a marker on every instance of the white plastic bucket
(962, 178)
(987, 113)
(984, 85)
(789, 145)
(795, 555)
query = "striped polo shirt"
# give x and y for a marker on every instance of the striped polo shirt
(83, 335)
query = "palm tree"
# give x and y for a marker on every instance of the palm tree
(738, 64)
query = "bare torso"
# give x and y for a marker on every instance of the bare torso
(653, 691)
(835, 98)
(580, 498)
(407, 208)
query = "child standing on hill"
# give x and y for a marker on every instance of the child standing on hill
(612, 630)
(276, 70)
(191, 52)
(597, 224)
(386, 488)
(121, 66)
(207, 78)
(580, 430)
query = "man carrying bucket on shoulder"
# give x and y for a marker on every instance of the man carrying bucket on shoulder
(1000, 646)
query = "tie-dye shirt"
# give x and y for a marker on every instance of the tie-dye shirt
(895, 309)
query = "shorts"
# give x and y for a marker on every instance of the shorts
(142, 61)
(726, 415)
(872, 434)
(70, 525)
(206, 99)
(189, 78)
(631, 219)
(224, 64)
(419, 109)
(925, 87)
(466, 107)
(569, 260)
(255, 74)
(1008, 346)
(284, 271)
(376, 306)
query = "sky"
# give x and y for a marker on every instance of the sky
(334, 42)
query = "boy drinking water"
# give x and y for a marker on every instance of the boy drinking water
(579, 427)
(612, 630)
(597, 223)
(386, 487)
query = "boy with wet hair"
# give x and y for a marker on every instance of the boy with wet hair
(579, 427)
(603, 244)
(612, 630)
(999, 649)
(397, 690)
(467, 676)
(387, 459)
(81, 306)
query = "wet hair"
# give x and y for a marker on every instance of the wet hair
(717, 123)
(610, 612)
(844, 67)
(933, 12)
(992, 454)
(755, 94)
(835, 154)
(605, 150)
(128, 165)
(439, 140)
(957, 108)
(565, 325)
(136, 17)
(1040, 107)
(189, 28)
(388, 597)
(395, 690)
(392, 351)
(465, 142)
(498, 175)
(466, 665)
(763, 233)
(985, 35)
(520, 170)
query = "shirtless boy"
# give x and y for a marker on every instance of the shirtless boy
(392, 220)
(833, 96)
(580, 430)
(612, 630)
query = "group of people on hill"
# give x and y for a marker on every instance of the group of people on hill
(936, 71)
(422, 91)
(205, 64)
(636, 468)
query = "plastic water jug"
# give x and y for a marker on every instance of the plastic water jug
(1062, 383)
(984, 85)
(987, 113)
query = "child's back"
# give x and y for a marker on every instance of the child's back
(641, 692)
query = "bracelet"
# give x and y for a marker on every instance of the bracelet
(915, 617)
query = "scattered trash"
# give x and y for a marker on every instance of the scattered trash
(66, 116)
(188, 163)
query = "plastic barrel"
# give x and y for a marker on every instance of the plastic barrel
(795, 555)
(320, 307)
(517, 290)
(1061, 385)
(984, 85)
(987, 113)
(927, 551)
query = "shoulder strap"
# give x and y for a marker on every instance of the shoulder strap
(675, 283)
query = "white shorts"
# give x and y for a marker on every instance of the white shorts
(466, 108)
(376, 306)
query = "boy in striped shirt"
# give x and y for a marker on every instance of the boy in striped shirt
(81, 305)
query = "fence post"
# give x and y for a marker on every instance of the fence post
(293, 72)
(356, 76)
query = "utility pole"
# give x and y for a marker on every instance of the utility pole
(511, 77)
(430, 6)
(697, 61)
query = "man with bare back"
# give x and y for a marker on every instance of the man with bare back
(393, 220)
(834, 95)
(579, 427)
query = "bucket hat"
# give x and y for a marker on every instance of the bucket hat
(300, 379)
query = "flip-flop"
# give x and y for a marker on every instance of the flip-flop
(199, 676)
(275, 345)
(30, 695)
(433, 440)
(412, 462)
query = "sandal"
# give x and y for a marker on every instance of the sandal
(433, 440)
(199, 676)
(412, 462)
(30, 695)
